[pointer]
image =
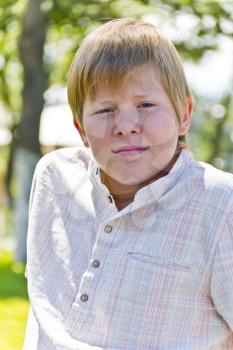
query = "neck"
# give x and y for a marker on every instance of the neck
(124, 194)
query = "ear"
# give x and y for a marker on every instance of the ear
(81, 133)
(84, 138)
(187, 117)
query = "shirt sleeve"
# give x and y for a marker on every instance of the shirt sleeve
(32, 192)
(31, 335)
(40, 189)
(222, 273)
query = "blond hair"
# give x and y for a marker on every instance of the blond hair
(113, 52)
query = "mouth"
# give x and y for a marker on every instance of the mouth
(130, 151)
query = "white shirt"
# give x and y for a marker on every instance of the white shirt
(156, 275)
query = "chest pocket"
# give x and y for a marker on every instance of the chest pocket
(159, 274)
(162, 262)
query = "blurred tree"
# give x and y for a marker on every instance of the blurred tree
(27, 150)
(51, 32)
(31, 48)
(10, 73)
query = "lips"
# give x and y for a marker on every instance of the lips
(129, 149)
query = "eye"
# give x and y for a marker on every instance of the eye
(147, 105)
(105, 110)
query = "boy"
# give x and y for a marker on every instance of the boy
(130, 242)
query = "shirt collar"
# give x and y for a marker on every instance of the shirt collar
(156, 189)
(160, 187)
(94, 175)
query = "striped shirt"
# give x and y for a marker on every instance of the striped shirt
(157, 274)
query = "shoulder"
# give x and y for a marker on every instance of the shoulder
(63, 170)
(215, 184)
(215, 178)
(64, 159)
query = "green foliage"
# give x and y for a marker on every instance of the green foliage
(13, 314)
(13, 282)
(10, 67)
(70, 21)
(14, 303)
(211, 134)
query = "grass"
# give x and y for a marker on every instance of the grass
(14, 303)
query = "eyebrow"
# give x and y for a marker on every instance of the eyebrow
(143, 95)
(104, 102)
(135, 96)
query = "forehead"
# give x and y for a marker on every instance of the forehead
(142, 82)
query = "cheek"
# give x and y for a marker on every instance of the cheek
(162, 136)
(161, 130)
(98, 132)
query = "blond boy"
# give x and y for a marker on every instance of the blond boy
(130, 242)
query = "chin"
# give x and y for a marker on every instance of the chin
(130, 180)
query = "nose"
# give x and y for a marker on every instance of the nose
(127, 122)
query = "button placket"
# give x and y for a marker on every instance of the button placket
(95, 264)
(81, 307)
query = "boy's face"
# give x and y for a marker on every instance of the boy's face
(133, 131)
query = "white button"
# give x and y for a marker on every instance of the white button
(108, 228)
(95, 263)
(84, 298)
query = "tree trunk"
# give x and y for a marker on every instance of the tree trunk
(27, 150)
(31, 47)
